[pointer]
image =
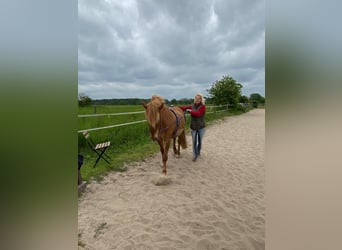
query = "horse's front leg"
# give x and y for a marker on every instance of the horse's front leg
(165, 155)
(161, 146)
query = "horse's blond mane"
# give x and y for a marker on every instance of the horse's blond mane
(152, 113)
(157, 100)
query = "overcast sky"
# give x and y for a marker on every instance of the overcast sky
(174, 48)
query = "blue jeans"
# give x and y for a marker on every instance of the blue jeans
(197, 138)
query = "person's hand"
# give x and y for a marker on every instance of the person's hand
(188, 110)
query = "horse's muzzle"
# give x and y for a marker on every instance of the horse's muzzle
(154, 135)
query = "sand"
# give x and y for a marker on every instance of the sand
(217, 202)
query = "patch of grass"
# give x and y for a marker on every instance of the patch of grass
(80, 243)
(99, 229)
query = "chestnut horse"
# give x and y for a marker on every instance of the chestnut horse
(165, 124)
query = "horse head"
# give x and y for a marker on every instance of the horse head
(152, 114)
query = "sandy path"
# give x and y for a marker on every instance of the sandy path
(217, 202)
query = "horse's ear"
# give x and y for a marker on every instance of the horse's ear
(161, 106)
(144, 104)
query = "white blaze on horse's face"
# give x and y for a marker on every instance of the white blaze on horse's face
(155, 127)
(155, 134)
(153, 130)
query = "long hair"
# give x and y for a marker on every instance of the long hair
(202, 98)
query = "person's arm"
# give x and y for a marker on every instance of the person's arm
(199, 112)
(184, 108)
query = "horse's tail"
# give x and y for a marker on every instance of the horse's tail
(182, 140)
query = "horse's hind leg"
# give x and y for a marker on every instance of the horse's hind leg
(174, 146)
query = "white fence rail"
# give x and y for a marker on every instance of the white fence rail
(111, 126)
(136, 112)
(125, 113)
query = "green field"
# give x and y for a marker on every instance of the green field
(128, 143)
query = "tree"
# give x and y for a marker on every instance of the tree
(84, 100)
(173, 101)
(255, 99)
(226, 90)
(244, 99)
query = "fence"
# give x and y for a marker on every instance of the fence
(141, 121)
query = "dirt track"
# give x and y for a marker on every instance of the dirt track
(215, 203)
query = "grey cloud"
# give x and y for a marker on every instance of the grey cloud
(168, 46)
